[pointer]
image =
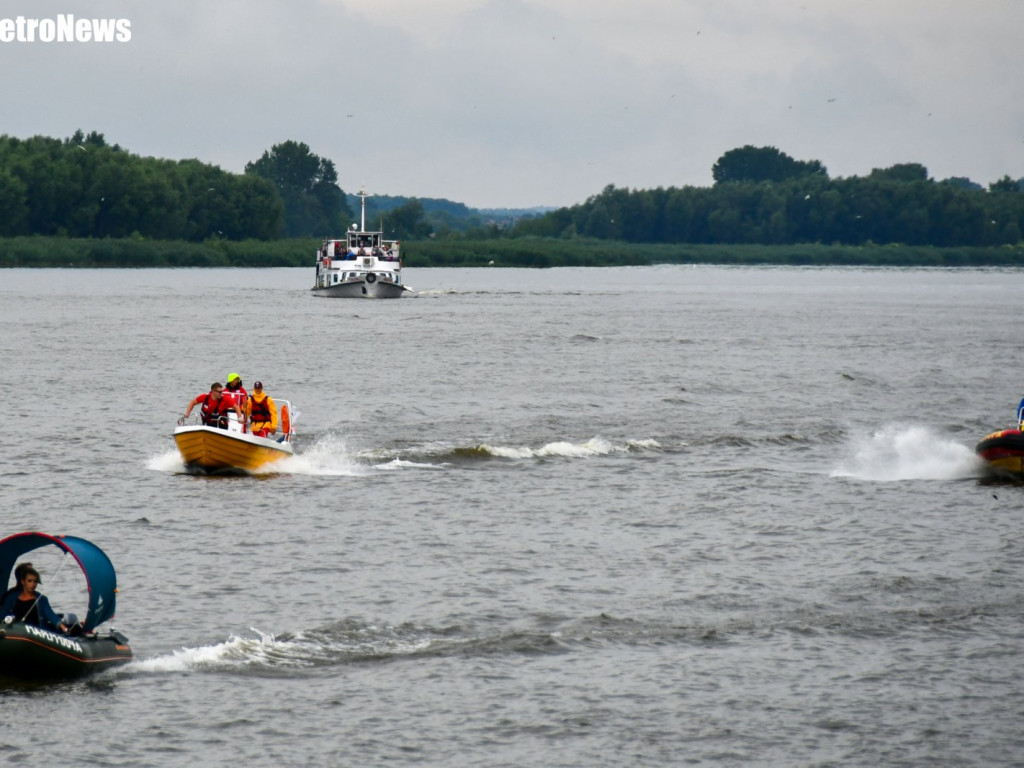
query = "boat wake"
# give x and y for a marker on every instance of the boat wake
(595, 446)
(350, 641)
(327, 457)
(902, 452)
(345, 642)
(331, 456)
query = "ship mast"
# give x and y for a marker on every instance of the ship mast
(362, 219)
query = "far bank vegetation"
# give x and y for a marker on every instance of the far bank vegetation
(83, 202)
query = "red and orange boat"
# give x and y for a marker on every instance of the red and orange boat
(1004, 452)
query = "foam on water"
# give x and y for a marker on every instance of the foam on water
(328, 456)
(166, 462)
(315, 648)
(907, 452)
(596, 446)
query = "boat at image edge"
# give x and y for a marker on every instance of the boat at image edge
(212, 450)
(1004, 452)
(362, 266)
(29, 652)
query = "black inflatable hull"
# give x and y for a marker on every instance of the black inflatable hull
(1004, 452)
(29, 652)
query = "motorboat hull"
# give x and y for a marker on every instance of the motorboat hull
(29, 652)
(1004, 452)
(213, 450)
(361, 289)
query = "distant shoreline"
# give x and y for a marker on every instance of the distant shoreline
(81, 253)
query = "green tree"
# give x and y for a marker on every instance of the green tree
(84, 187)
(902, 172)
(12, 202)
(314, 205)
(1005, 184)
(754, 164)
(405, 222)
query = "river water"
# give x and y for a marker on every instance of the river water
(570, 517)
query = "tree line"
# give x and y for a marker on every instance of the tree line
(83, 187)
(763, 196)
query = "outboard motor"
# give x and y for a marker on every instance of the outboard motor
(75, 627)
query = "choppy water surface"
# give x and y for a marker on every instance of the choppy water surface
(641, 516)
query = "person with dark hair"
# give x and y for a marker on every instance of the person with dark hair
(19, 574)
(262, 412)
(29, 605)
(215, 407)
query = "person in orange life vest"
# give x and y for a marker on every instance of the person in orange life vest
(262, 412)
(215, 407)
(235, 392)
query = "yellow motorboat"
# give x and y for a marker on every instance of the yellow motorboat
(233, 449)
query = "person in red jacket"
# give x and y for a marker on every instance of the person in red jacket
(235, 392)
(215, 407)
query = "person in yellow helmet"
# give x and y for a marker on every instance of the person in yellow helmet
(262, 412)
(234, 392)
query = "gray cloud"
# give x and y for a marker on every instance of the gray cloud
(529, 102)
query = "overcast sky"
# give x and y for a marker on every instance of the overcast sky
(517, 103)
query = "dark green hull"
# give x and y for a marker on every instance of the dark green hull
(29, 652)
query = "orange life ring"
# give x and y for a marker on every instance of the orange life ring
(286, 420)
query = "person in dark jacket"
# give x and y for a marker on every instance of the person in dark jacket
(19, 574)
(29, 605)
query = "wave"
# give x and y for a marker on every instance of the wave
(354, 642)
(595, 446)
(344, 642)
(328, 456)
(348, 642)
(902, 452)
(331, 456)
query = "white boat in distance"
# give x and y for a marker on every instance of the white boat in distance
(362, 266)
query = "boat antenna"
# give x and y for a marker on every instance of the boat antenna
(362, 219)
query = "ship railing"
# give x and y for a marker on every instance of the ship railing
(292, 416)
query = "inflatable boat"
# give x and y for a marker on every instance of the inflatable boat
(28, 651)
(1004, 452)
